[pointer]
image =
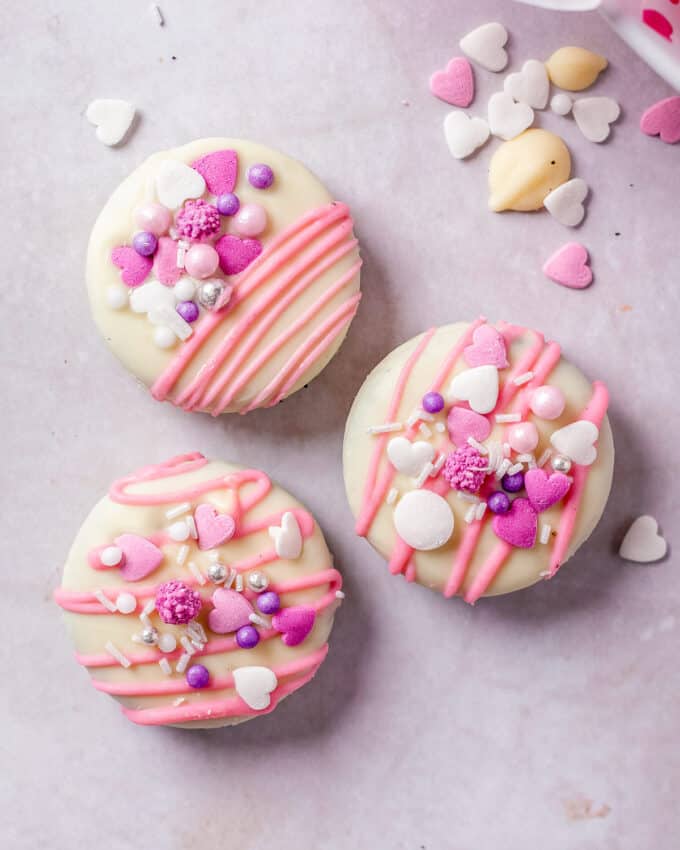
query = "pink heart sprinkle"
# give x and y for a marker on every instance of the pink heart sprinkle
(237, 254)
(544, 491)
(569, 266)
(463, 423)
(663, 119)
(213, 529)
(165, 262)
(487, 348)
(518, 526)
(232, 611)
(141, 556)
(456, 84)
(658, 22)
(134, 268)
(219, 170)
(294, 624)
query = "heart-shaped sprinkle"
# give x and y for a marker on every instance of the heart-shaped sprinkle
(151, 296)
(294, 623)
(463, 134)
(530, 85)
(508, 119)
(112, 118)
(663, 119)
(236, 254)
(254, 685)
(478, 387)
(134, 267)
(463, 423)
(424, 520)
(165, 262)
(658, 22)
(485, 45)
(593, 116)
(568, 266)
(232, 611)
(487, 348)
(287, 537)
(543, 491)
(176, 182)
(213, 528)
(577, 441)
(518, 526)
(565, 204)
(141, 556)
(407, 457)
(219, 170)
(455, 84)
(642, 542)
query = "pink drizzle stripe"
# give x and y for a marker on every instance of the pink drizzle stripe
(488, 572)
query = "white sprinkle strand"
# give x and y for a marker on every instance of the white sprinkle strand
(257, 620)
(436, 469)
(481, 448)
(178, 510)
(182, 554)
(515, 468)
(527, 458)
(481, 510)
(113, 650)
(184, 660)
(187, 644)
(158, 14)
(239, 582)
(181, 253)
(197, 574)
(104, 599)
(471, 514)
(339, 594)
(524, 378)
(385, 429)
(502, 469)
(507, 451)
(423, 414)
(545, 533)
(508, 417)
(145, 620)
(545, 574)
(425, 473)
(544, 458)
(392, 496)
(425, 431)
(179, 701)
(196, 632)
(440, 427)
(467, 497)
(149, 608)
(230, 578)
(192, 526)
(164, 664)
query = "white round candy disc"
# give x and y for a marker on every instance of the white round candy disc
(126, 603)
(111, 556)
(423, 520)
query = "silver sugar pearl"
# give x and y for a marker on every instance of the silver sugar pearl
(209, 293)
(258, 582)
(560, 463)
(217, 573)
(150, 635)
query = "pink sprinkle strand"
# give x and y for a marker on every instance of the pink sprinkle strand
(197, 219)
(464, 469)
(177, 603)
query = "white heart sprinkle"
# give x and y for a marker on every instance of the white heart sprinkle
(508, 119)
(463, 134)
(151, 296)
(170, 318)
(478, 387)
(112, 118)
(593, 116)
(176, 181)
(530, 85)
(408, 457)
(565, 204)
(254, 685)
(576, 441)
(485, 45)
(642, 542)
(561, 104)
(287, 537)
(424, 520)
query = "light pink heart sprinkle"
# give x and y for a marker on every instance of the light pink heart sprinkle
(518, 526)
(165, 262)
(232, 611)
(140, 556)
(237, 254)
(663, 119)
(487, 348)
(463, 423)
(219, 170)
(134, 268)
(569, 266)
(543, 491)
(213, 528)
(455, 84)
(294, 623)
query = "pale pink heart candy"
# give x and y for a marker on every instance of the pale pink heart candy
(518, 526)
(237, 254)
(140, 556)
(487, 348)
(219, 170)
(663, 119)
(134, 268)
(463, 423)
(543, 491)
(294, 623)
(232, 611)
(569, 266)
(213, 528)
(165, 262)
(455, 84)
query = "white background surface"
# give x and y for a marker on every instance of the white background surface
(431, 725)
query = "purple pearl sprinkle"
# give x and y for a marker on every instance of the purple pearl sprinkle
(188, 310)
(247, 637)
(228, 204)
(433, 402)
(197, 676)
(144, 243)
(498, 503)
(513, 483)
(260, 176)
(269, 602)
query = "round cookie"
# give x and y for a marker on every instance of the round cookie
(199, 593)
(223, 275)
(477, 459)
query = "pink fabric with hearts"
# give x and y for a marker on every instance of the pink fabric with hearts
(455, 84)
(569, 266)
(294, 623)
(663, 119)
(165, 262)
(543, 491)
(463, 423)
(219, 170)
(134, 268)
(237, 254)
(232, 611)
(487, 348)
(518, 526)
(213, 528)
(140, 556)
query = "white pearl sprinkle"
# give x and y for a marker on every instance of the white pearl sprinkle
(164, 337)
(111, 556)
(561, 104)
(116, 297)
(179, 531)
(184, 289)
(126, 603)
(167, 642)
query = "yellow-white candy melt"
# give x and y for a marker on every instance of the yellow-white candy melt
(574, 68)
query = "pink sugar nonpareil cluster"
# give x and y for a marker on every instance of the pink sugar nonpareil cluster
(177, 603)
(464, 469)
(197, 219)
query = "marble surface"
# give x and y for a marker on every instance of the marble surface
(547, 718)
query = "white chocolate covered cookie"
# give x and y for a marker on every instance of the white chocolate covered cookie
(199, 593)
(223, 275)
(477, 459)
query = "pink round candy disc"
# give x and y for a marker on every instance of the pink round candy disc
(250, 220)
(547, 402)
(201, 261)
(154, 218)
(523, 437)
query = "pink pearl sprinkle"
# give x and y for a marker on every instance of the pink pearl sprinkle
(201, 261)
(154, 218)
(547, 402)
(250, 220)
(523, 437)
